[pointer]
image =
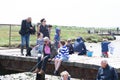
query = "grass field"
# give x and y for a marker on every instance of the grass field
(66, 33)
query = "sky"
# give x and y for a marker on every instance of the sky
(83, 13)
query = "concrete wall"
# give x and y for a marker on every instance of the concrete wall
(22, 64)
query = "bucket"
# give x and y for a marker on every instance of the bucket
(89, 53)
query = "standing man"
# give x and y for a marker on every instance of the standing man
(43, 28)
(106, 72)
(26, 26)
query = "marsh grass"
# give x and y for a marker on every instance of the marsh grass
(66, 33)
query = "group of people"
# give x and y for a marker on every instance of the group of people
(57, 52)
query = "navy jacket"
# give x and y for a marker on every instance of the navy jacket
(57, 36)
(79, 45)
(108, 73)
(104, 46)
(25, 27)
(44, 31)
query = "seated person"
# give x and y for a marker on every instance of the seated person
(79, 46)
(70, 46)
(49, 52)
(39, 45)
(63, 55)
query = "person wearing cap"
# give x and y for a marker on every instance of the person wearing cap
(43, 28)
(26, 26)
(104, 47)
(106, 72)
(57, 37)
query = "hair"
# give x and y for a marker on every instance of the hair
(50, 26)
(42, 20)
(104, 61)
(39, 34)
(62, 42)
(46, 39)
(69, 40)
(64, 73)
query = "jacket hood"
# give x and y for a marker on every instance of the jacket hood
(57, 30)
(79, 39)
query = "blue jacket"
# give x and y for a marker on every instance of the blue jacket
(108, 73)
(57, 35)
(79, 45)
(104, 46)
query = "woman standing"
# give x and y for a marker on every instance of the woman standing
(43, 28)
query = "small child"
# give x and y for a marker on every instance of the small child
(40, 43)
(104, 46)
(70, 46)
(38, 49)
(57, 38)
(63, 55)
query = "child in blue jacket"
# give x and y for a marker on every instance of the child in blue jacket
(57, 38)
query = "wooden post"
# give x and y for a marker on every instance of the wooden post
(10, 36)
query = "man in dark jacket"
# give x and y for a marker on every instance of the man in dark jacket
(79, 46)
(26, 26)
(106, 72)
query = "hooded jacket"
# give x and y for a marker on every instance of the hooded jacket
(57, 35)
(79, 45)
(104, 46)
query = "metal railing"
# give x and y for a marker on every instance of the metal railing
(10, 37)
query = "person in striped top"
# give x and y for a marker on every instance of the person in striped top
(63, 55)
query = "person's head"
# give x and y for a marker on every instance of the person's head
(29, 19)
(69, 41)
(104, 63)
(105, 39)
(40, 35)
(46, 40)
(79, 39)
(62, 43)
(58, 31)
(65, 75)
(43, 21)
(49, 27)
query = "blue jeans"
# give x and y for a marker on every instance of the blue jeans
(25, 39)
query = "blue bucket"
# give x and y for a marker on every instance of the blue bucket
(89, 53)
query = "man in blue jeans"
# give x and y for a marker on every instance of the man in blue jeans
(26, 26)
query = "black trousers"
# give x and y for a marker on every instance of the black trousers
(43, 63)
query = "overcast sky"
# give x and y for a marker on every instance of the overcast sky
(85, 13)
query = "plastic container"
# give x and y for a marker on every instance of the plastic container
(89, 53)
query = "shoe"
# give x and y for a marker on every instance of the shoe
(56, 73)
(41, 72)
(40, 77)
(36, 70)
